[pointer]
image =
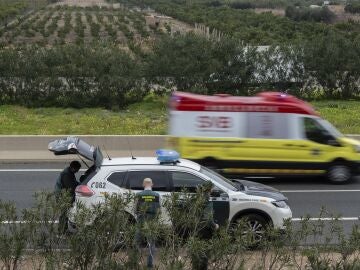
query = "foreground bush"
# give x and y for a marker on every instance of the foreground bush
(304, 245)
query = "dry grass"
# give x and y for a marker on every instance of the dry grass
(341, 15)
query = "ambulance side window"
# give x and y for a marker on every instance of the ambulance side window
(315, 132)
(267, 125)
(185, 181)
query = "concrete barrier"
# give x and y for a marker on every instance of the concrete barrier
(26, 148)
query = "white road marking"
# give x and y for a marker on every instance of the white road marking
(319, 190)
(328, 219)
(34, 170)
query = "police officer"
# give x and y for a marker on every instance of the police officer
(147, 209)
(67, 182)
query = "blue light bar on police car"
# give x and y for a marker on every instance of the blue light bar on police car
(166, 155)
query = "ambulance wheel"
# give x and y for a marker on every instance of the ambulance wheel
(252, 229)
(339, 173)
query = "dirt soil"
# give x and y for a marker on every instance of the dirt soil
(252, 260)
(86, 3)
(339, 11)
(341, 15)
(275, 11)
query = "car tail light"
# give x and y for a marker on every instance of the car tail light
(84, 191)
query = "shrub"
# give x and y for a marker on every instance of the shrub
(62, 32)
(352, 7)
(111, 31)
(105, 234)
(322, 14)
(9, 9)
(242, 5)
(215, 3)
(79, 28)
(53, 25)
(71, 75)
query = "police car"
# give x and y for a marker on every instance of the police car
(233, 201)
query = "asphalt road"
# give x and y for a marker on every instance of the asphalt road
(306, 196)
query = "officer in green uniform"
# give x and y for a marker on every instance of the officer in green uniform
(147, 210)
(67, 182)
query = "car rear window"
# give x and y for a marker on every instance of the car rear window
(88, 175)
(117, 178)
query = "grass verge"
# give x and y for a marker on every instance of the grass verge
(148, 117)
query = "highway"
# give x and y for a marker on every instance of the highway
(19, 181)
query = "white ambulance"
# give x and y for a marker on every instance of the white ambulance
(269, 134)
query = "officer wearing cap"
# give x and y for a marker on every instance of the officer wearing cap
(147, 209)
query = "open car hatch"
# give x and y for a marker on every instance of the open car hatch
(74, 145)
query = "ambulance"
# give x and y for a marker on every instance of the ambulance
(270, 134)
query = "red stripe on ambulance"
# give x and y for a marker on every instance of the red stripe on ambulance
(263, 102)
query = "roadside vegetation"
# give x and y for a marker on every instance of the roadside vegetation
(149, 117)
(89, 58)
(309, 244)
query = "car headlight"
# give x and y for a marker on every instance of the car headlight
(280, 204)
(357, 148)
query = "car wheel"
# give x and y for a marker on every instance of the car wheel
(339, 173)
(252, 229)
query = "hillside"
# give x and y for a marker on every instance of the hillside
(60, 24)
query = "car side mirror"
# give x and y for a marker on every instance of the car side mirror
(216, 193)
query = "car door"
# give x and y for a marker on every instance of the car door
(134, 183)
(185, 181)
(322, 145)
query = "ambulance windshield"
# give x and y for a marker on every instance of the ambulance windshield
(330, 128)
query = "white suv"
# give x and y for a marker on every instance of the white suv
(232, 200)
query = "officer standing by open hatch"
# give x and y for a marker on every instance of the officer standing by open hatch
(147, 210)
(67, 182)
